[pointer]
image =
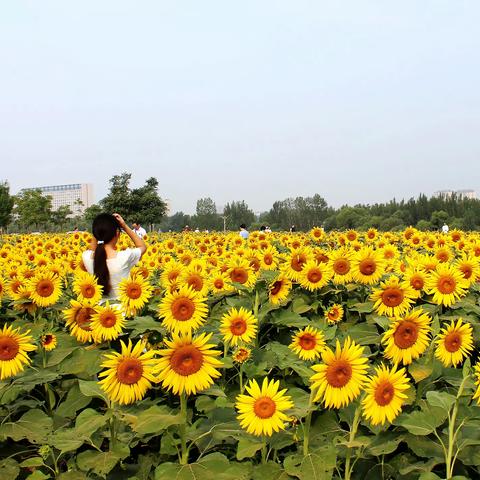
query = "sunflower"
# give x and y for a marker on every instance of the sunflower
(183, 311)
(188, 364)
(341, 376)
(134, 293)
(107, 322)
(470, 268)
(368, 266)
(238, 326)
(296, 261)
(23, 301)
(317, 234)
(241, 355)
(476, 395)
(219, 282)
(128, 374)
(269, 258)
(48, 341)
(261, 412)
(416, 277)
(86, 287)
(314, 276)
(454, 343)
(334, 313)
(194, 279)
(14, 346)
(308, 343)
(384, 395)
(44, 288)
(279, 289)
(391, 298)
(408, 337)
(447, 284)
(240, 271)
(341, 263)
(78, 318)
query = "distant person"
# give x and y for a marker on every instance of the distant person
(263, 228)
(293, 229)
(197, 230)
(243, 231)
(186, 228)
(268, 229)
(445, 228)
(103, 260)
(139, 230)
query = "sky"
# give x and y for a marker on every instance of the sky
(359, 101)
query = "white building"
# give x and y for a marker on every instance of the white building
(458, 193)
(77, 196)
(466, 193)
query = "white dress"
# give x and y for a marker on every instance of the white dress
(119, 267)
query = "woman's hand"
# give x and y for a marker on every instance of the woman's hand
(120, 220)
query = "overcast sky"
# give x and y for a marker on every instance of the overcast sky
(360, 101)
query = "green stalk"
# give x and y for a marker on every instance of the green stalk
(240, 376)
(183, 429)
(45, 385)
(264, 450)
(112, 425)
(353, 432)
(306, 426)
(452, 432)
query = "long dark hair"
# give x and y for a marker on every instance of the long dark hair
(104, 229)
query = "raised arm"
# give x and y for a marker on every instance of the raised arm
(139, 243)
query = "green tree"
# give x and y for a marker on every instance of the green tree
(33, 209)
(236, 213)
(147, 206)
(176, 222)
(90, 213)
(206, 215)
(59, 217)
(6, 204)
(119, 198)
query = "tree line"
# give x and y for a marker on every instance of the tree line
(30, 210)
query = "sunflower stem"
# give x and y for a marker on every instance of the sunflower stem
(112, 425)
(306, 426)
(45, 385)
(256, 305)
(452, 433)
(225, 353)
(353, 432)
(183, 429)
(240, 377)
(264, 450)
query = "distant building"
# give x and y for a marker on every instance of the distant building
(458, 193)
(77, 196)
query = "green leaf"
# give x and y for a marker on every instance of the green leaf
(287, 318)
(299, 305)
(37, 475)
(82, 362)
(101, 463)
(318, 465)
(9, 392)
(153, 420)
(32, 462)
(9, 469)
(248, 446)
(92, 389)
(34, 426)
(269, 471)
(422, 422)
(384, 443)
(72, 476)
(75, 401)
(366, 307)
(89, 421)
(442, 400)
(66, 440)
(362, 333)
(141, 325)
(424, 447)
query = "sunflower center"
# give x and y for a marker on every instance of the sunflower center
(47, 339)
(276, 287)
(341, 266)
(307, 341)
(196, 282)
(452, 342)
(314, 276)
(333, 314)
(268, 259)
(218, 283)
(446, 285)
(182, 309)
(392, 297)
(384, 393)
(238, 326)
(239, 275)
(9, 348)
(88, 291)
(264, 407)
(417, 282)
(367, 266)
(406, 334)
(186, 360)
(45, 288)
(133, 291)
(466, 270)
(339, 373)
(82, 317)
(108, 319)
(129, 371)
(297, 262)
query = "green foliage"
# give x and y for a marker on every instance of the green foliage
(237, 213)
(33, 209)
(6, 204)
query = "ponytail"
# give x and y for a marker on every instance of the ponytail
(104, 228)
(100, 268)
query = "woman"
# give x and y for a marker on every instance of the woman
(103, 260)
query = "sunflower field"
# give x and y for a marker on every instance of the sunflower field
(346, 355)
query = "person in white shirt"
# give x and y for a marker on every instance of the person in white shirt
(139, 230)
(445, 228)
(243, 231)
(103, 260)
